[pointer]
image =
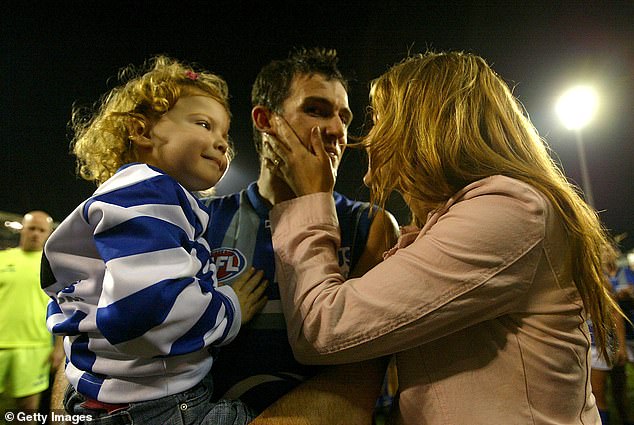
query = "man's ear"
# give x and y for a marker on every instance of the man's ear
(261, 116)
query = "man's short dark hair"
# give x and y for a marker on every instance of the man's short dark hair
(273, 83)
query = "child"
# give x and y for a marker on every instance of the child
(129, 273)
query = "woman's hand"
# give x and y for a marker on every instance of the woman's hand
(305, 170)
(249, 288)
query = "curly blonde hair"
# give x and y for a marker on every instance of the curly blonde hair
(446, 120)
(102, 137)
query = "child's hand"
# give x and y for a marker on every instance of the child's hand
(250, 290)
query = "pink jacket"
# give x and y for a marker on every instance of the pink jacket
(480, 308)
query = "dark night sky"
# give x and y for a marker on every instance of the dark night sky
(57, 53)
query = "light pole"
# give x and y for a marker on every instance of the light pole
(576, 108)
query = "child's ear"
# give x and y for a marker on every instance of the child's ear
(141, 141)
(137, 135)
(261, 116)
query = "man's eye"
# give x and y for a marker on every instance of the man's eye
(315, 111)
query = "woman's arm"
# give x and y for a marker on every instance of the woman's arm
(347, 393)
(455, 274)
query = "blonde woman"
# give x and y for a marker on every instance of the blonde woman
(486, 305)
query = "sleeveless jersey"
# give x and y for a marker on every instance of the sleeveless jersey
(23, 312)
(258, 366)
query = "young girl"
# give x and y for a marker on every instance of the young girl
(133, 289)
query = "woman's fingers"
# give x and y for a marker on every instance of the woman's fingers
(272, 161)
(272, 149)
(289, 139)
(304, 165)
(317, 144)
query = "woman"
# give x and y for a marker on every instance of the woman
(486, 305)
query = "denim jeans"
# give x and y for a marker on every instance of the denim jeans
(191, 407)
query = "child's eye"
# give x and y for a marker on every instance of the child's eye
(204, 124)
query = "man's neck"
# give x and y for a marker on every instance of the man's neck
(272, 188)
(29, 251)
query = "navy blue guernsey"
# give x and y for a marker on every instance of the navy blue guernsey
(258, 366)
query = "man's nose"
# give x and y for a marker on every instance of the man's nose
(336, 129)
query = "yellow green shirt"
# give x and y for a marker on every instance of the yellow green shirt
(22, 302)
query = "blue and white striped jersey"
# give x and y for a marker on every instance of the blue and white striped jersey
(133, 289)
(258, 366)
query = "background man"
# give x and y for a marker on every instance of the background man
(26, 346)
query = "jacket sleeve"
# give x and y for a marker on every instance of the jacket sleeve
(470, 263)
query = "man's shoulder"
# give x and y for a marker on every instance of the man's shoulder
(344, 201)
(10, 252)
(215, 200)
(346, 206)
(234, 198)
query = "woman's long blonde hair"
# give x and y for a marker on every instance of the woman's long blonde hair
(446, 120)
(102, 138)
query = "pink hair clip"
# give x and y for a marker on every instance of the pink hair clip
(191, 75)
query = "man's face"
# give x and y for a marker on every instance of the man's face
(314, 101)
(36, 228)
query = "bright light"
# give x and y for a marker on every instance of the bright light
(15, 225)
(576, 107)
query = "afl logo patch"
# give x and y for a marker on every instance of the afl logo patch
(229, 263)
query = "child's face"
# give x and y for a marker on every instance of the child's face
(190, 142)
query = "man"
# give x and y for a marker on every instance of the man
(306, 90)
(26, 346)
